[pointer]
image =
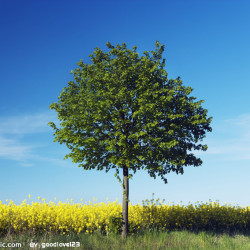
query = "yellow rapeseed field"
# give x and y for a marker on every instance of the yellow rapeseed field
(89, 218)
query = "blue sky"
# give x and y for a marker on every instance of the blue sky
(206, 44)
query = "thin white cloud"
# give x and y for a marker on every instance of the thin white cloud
(230, 139)
(13, 130)
(230, 150)
(242, 124)
(12, 149)
(55, 161)
(24, 155)
(26, 124)
(17, 151)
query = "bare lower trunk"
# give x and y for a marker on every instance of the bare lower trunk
(125, 203)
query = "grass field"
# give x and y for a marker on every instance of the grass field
(144, 240)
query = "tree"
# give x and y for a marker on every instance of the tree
(123, 112)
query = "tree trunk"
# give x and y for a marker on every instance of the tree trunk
(125, 202)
